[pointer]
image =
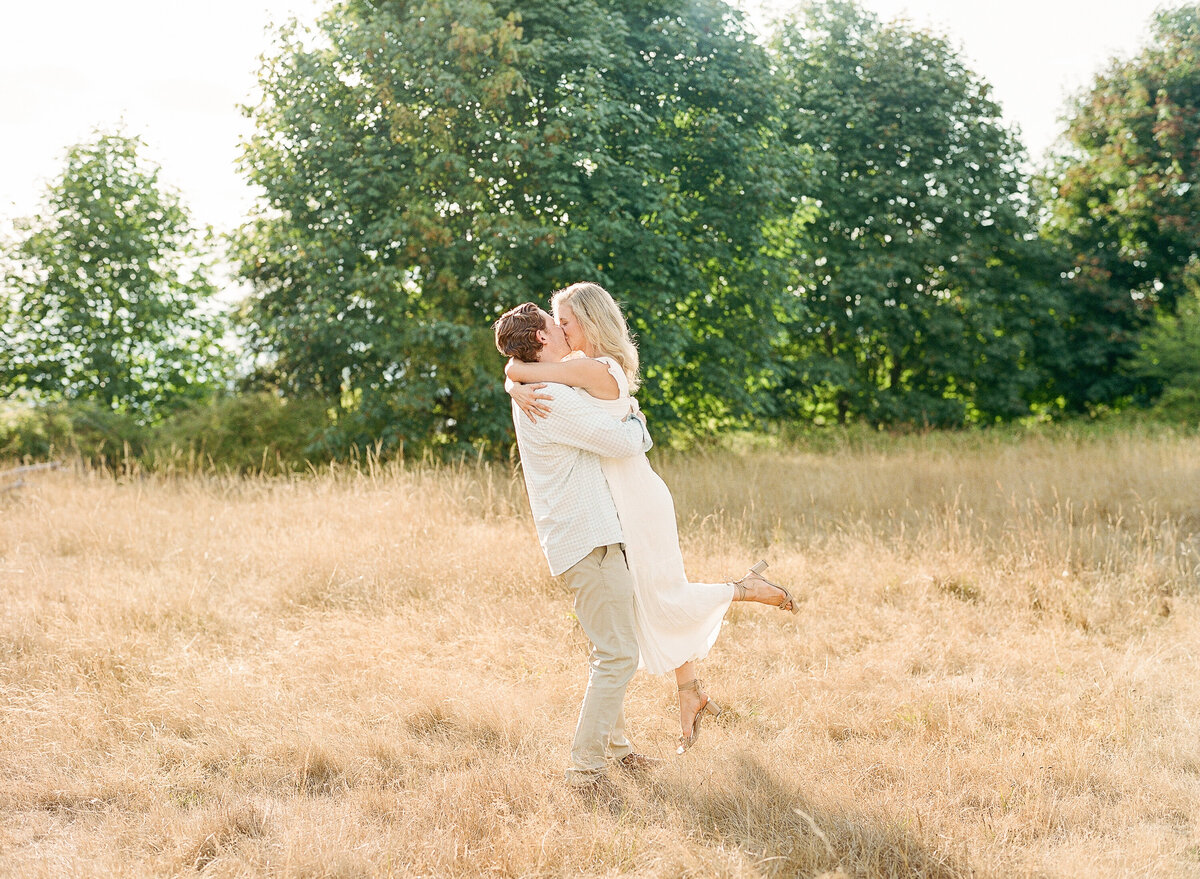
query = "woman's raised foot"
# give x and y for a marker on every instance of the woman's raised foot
(755, 587)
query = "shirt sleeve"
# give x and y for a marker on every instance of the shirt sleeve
(575, 422)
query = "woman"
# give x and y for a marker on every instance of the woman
(677, 621)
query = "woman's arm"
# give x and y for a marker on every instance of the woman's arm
(528, 399)
(578, 372)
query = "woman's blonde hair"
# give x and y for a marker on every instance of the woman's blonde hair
(602, 324)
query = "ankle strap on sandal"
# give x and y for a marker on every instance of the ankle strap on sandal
(693, 684)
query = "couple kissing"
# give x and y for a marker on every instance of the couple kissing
(606, 521)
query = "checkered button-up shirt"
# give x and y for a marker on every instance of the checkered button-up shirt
(560, 457)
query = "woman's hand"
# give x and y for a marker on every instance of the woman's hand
(528, 399)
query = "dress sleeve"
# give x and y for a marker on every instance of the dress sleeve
(618, 374)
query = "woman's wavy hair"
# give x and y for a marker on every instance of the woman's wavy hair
(602, 324)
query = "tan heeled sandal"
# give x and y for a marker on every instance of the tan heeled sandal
(788, 603)
(708, 705)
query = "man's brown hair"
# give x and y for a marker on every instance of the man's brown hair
(516, 332)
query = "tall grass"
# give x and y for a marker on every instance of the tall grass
(369, 672)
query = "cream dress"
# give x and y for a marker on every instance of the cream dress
(677, 621)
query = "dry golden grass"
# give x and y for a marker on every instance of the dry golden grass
(994, 673)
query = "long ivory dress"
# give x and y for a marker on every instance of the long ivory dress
(677, 621)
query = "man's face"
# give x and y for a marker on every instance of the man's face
(554, 344)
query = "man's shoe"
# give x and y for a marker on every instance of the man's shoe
(634, 762)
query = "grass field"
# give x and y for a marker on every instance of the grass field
(995, 673)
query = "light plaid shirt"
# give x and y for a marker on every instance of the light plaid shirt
(560, 457)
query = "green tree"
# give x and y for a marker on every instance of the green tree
(1124, 200)
(107, 290)
(925, 288)
(427, 165)
(672, 116)
(1170, 356)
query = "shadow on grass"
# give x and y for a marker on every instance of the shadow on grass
(742, 803)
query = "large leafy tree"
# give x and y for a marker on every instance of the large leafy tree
(1124, 198)
(673, 120)
(107, 290)
(427, 165)
(924, 293)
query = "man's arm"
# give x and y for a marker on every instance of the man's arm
(573, 421)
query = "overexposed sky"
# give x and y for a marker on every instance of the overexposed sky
(174, 74)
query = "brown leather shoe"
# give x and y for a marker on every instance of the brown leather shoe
(635, 762)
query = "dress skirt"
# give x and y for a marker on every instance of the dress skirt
(677, 621)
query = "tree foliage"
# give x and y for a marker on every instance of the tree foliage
(427, 165)
(106, 290)
(1169, 355)
(1124, 194)
(925, 290)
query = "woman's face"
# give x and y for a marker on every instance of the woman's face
(566, 319)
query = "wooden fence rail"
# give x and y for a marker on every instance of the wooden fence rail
(27, 468)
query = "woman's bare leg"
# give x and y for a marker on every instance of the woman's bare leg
(689, 700)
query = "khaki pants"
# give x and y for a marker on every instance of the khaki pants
(603, 591)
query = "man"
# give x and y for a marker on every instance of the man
(581, 536)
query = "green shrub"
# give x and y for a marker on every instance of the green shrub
(1170, 356)
(257, 432)
(85, 430)
(1180, 404)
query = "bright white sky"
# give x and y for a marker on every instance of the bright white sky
(174, 73)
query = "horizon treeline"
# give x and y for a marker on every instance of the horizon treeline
(832, 225)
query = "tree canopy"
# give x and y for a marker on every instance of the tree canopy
(428, 165)
(923, 290)
(834, 224)
(107, 290)
(1124, 200)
